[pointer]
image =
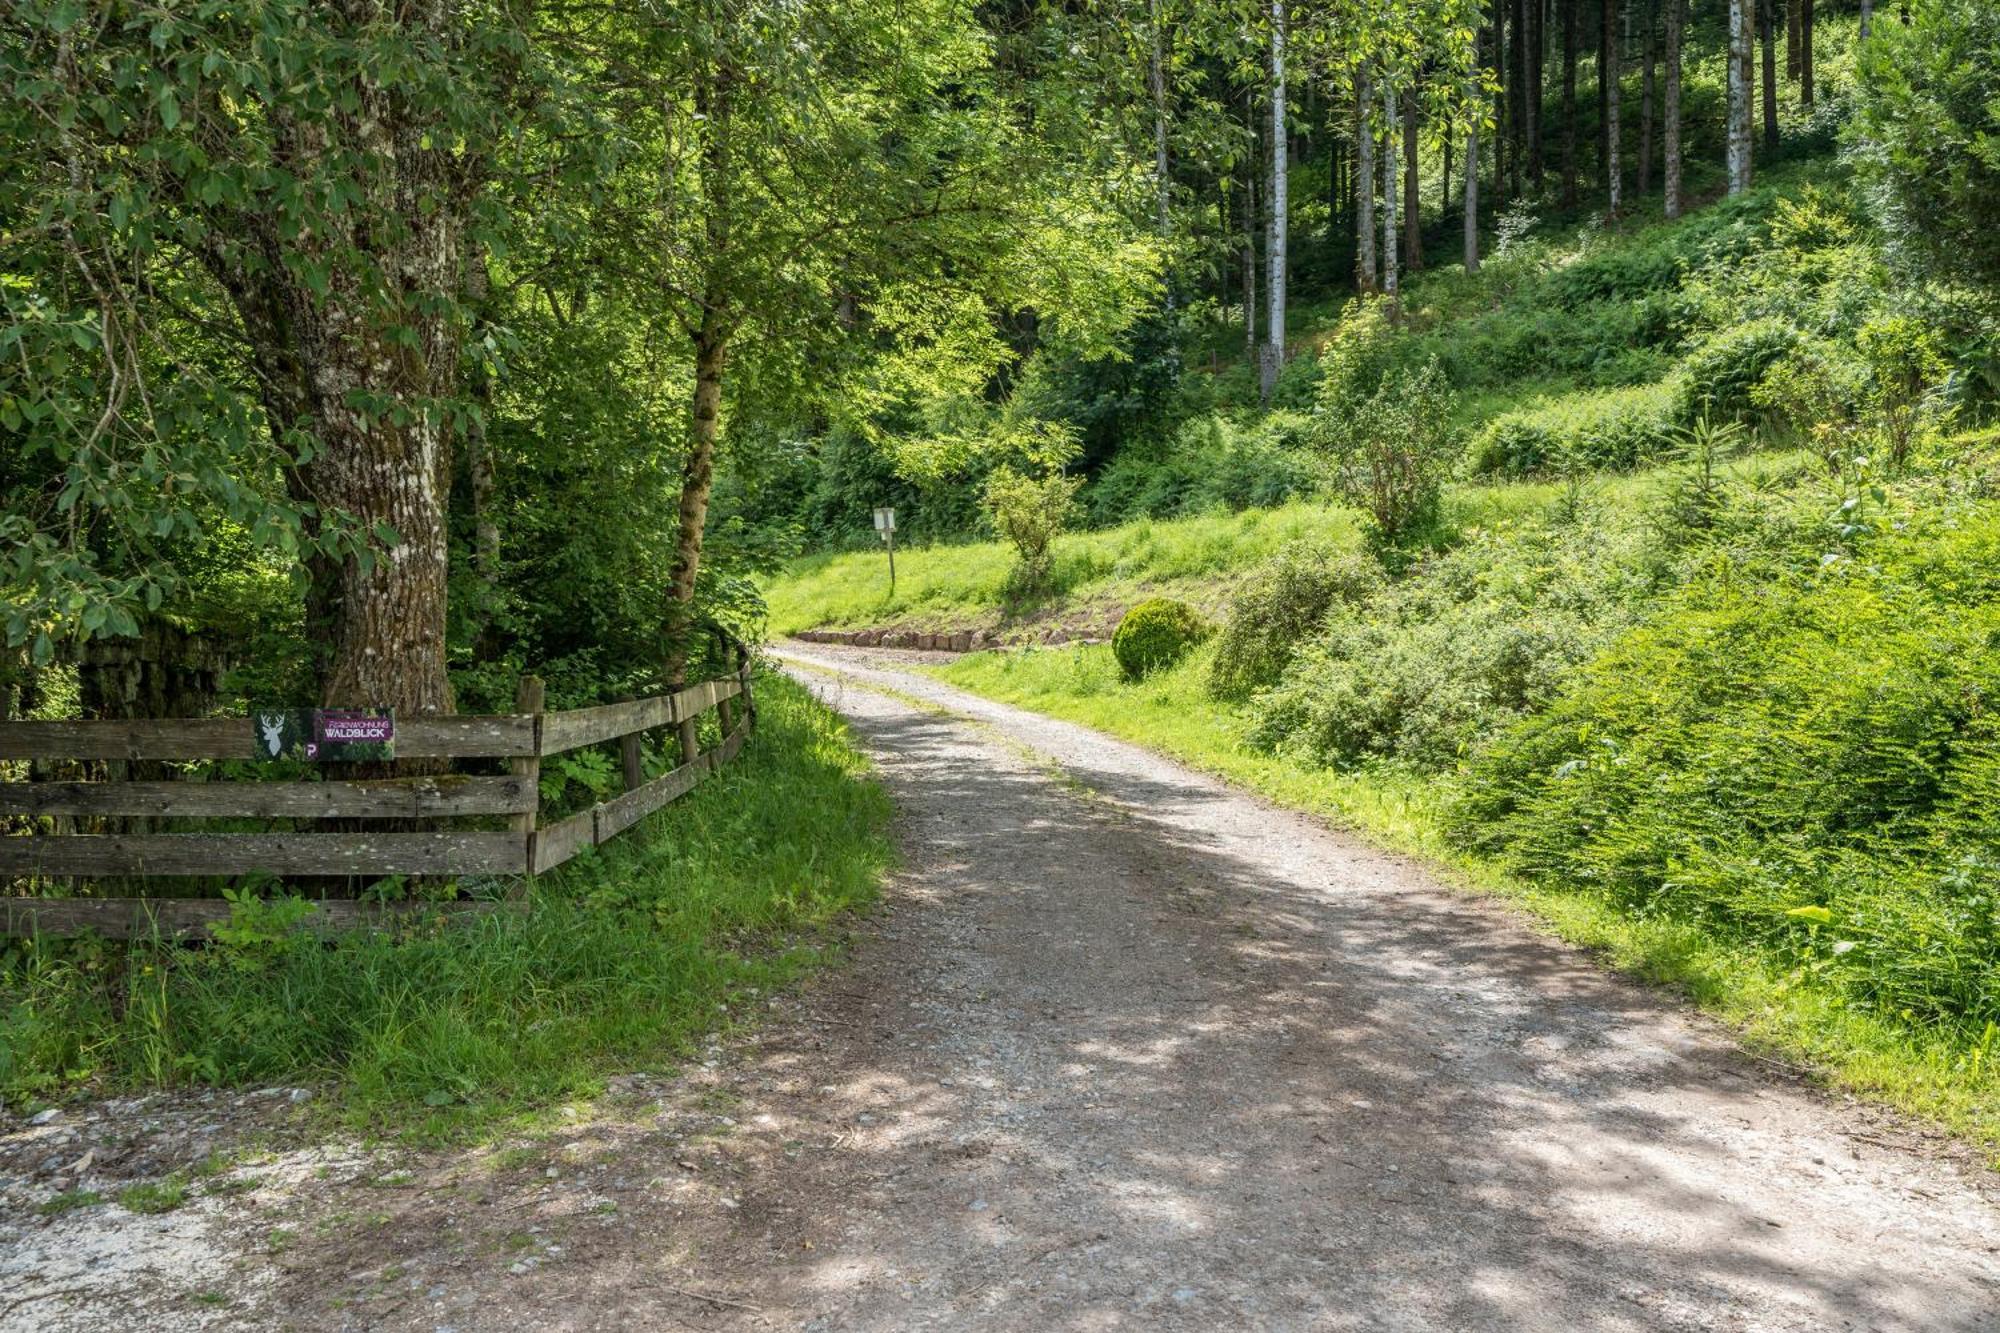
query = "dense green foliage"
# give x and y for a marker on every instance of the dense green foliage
(1154, 634)
(623, 956)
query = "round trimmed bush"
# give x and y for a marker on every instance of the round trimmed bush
(1155, 634)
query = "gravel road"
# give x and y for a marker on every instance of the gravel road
(1124, 1048)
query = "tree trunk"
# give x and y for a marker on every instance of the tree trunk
(1157, 77)
(1867, 18)
(1274, 332)
(1471, 221)
(1671, 99)
(1569, 102)
(1739, 97)
(1792, 36)
(1391, 280)
(1646, 92)
(1517, 94)
(1413, 240)
(1250, 222)
(481, 474)
(1770, 90)
(711, 355)
(1604, 59)
(1614, 168)
(1806, 53)
(1367, 276)
(1444, 187)
(1537, 39)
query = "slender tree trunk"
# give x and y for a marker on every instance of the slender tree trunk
(1739, 96)
(1444, 188)
(1671, 99)
(1614, 169)
(1274, 347)
(1157, 77)
(1770, 89)
(1647, 89)
(1537, 40)
(1517, 95)
(1569, 102)
(1391, 279)
(1367, 276)
(1413, 239)
(711, 355)
(481, 475)
(1867, 16)
(1471, 221)
(1806, 53)
(1605, 35)
(1251, 221)
(1792, 37)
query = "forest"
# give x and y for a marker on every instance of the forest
(1562, 433)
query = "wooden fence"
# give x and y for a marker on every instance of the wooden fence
(525, 846)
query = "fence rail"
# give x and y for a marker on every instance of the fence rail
(525, 847)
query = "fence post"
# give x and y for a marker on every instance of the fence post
(743, 677)
(528, 698)
(629, 756)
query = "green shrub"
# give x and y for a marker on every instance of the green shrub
(1612, 428)
(1211, 463)
(1717, 377)
(1393, 451)
(1029, 513)
(1155, 634)
(1809, 761)
(1283, 606)
(1467, 642)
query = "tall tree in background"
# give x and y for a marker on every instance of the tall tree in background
(1413, 234)
(1368, 275)
(1391, 278)
(1767, 32)
(1156, 80)
(1568, 102)
(1280, 150)
(1671, 106)
(1647, 91)
(1614, 170)
(1806, 54)
(1739, 96)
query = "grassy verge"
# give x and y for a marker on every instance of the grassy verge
(627, 956)
(1776, 1010)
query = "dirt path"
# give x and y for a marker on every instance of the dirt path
(1128, 1049)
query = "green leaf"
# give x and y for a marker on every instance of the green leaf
(1819, 914)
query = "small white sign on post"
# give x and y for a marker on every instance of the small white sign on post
(885, 523)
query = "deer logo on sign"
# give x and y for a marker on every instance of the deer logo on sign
(273, 727)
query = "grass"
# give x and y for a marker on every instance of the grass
(1199, 559)
(1772, 1008)
(626, 957)
(154, 1196)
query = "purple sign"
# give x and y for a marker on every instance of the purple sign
(325, 735)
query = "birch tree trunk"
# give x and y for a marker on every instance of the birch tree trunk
(1739, 97)
(1472, 197)
(1391, 282)
(1274, 346)
(1671, 106)
(1364, 182)
(1614, 170)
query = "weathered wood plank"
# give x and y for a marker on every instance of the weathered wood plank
(558, 842)
(182, 854)
(125, 918)
(622, 812)
(497, 737)
(733, 746)
(586, 726)
(387, 799)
